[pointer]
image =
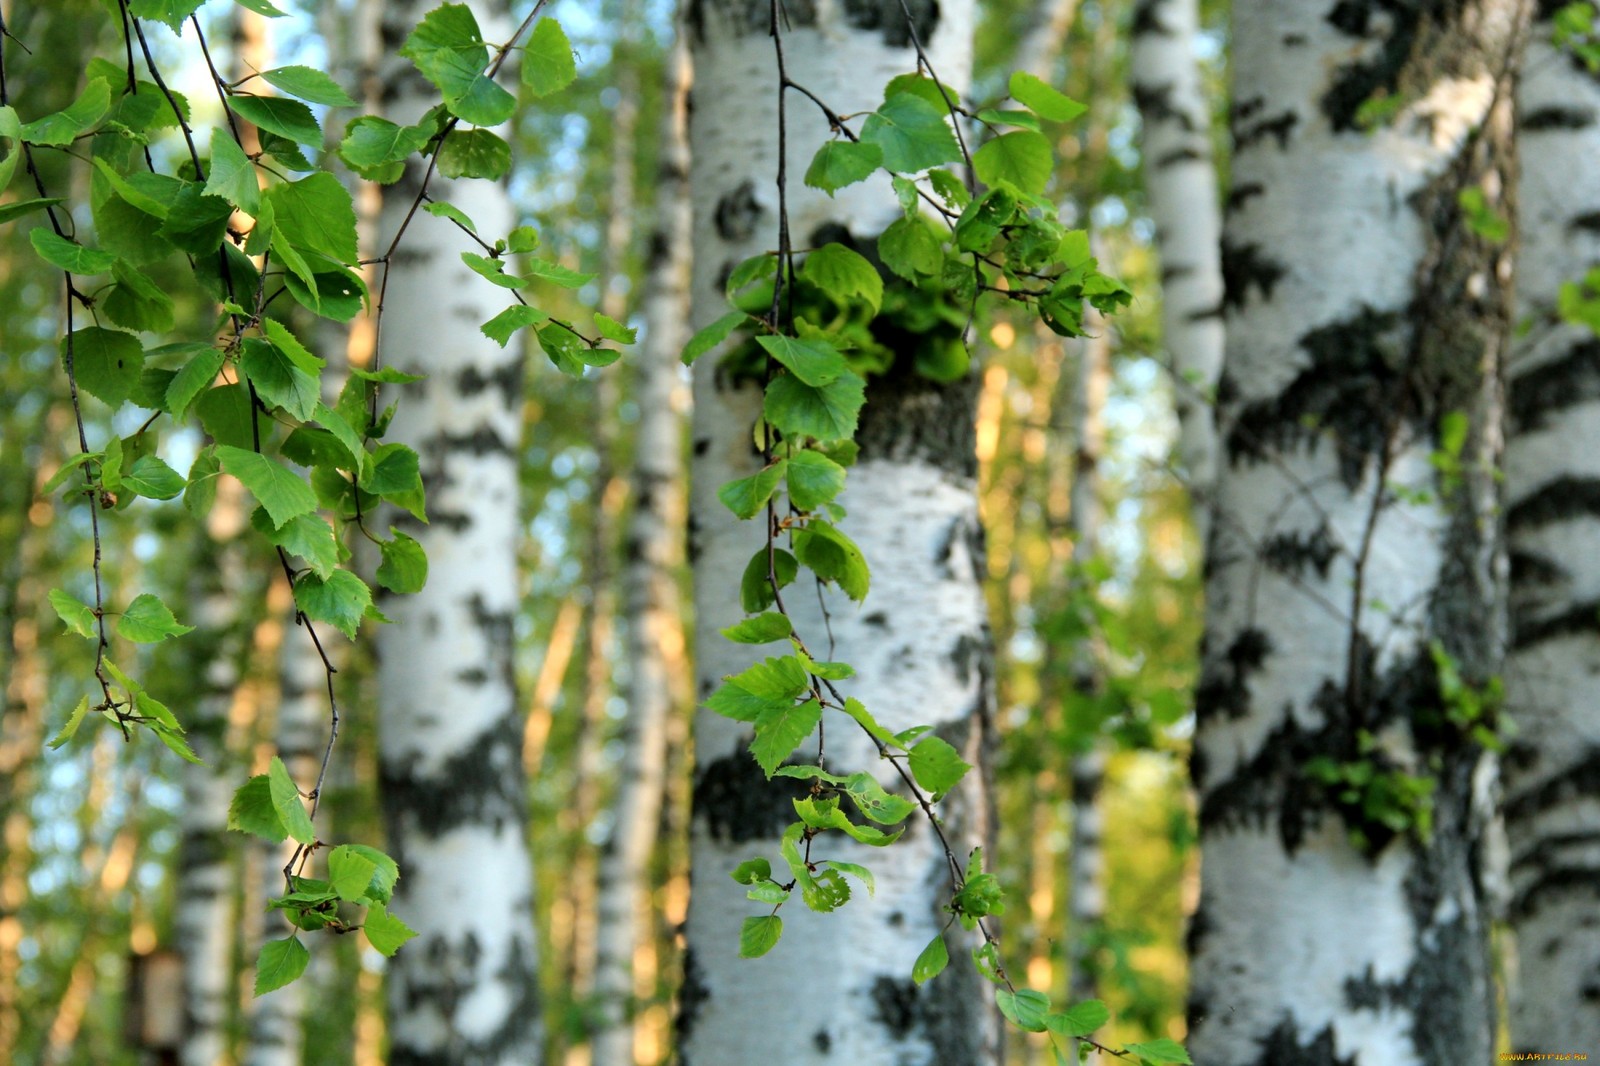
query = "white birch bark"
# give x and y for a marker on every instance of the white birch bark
(203, 912)
(838, 987)
(465, 990)
(649, 588)
(1362, 311)
(1552, 770)
(1181, 190)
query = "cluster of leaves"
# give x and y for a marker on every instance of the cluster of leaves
(1576, 27)
(820, 336)
(1376, 799)
(246, 241)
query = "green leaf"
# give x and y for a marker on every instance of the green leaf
(449, 50)
(873, 801)
(779, 730)
(260, 7)
(278, 381)
(493, 270)
(396, 470)
(857, 871)
(289, 119)
(937, 766)
(350, 873)
(286, 801)
(385, 873)
(74, 720)
(63, 127)
(1163, 1050)
(815, 362)
(152, 478)
(755, 590)
(172, 12)
(912, 133)
(833, 556)
(233, 175)
(307, 536)
(825, 814)
(547, 63)
(931, 963)
(805, 772)
(910, 248)
(1033, 93)
(747, 496)
(768, 892)
(65, 470)
(1080, 1019)
(922, 86)
(281, 961)
(615, 331)
(253, 812)
(751, 270)
(763, 629)
(405, 565)
(69, 255)
(751, 871)
(137, 302)
(556, 274)
(106, 362)
(376, 148)
(149, 621)
(863, 717)
(10, 150)
(984, 219)
(474, 154)
(201, 491)
(227, 414)
(280, 491)
(502, 327)
(316, 214)
(1021, 159)
(826, 413)
(759, 935)
(814, 479)
(20, 208)
(312, 86)
(844, 275)
(385, 932)
(1026, 1009)
(78, 616)
(441, 209)
(713, 335)
(780, 678)
(341, 599)
(841, 163)
(287, 343)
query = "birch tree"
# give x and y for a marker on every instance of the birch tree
(1552, 788)
(450, 745)
(1181, 190)
(1353, 618)
(920, 642)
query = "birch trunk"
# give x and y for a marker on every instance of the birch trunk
(1552, 771)
(1363, 315)
(1181, 189)
(920, 643)
(652, 552)
(450, 764)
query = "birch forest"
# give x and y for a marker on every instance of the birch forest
(859, 532)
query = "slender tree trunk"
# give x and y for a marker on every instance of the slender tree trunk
(1342, 915)
(450, 760)
(1181, 187)
(1552, 771)
(649, 588)
(920, 643)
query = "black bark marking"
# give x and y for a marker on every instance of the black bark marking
(1282, 1047)
(1578, 619)
(1553, 870)
(1293, 553)
(1578, 781)
(1556, 117)
(1588, 222)
(481, 784)
(1280, 127)
(693, 996)
(739, 213)
(1180, 155)
(484, 440)
(745, 16)
(896, 1003)
(442, 978)
(1413, 51)
(1242, 194)
(507, 378)
(739, 803)
(908, 418)
(1147, 19)
(1350, 390)
(1225, 686)
(1155, 104)
(822, 1041)
(1539, 392)
(1244, 266)
(1558, 500)
(889, 17)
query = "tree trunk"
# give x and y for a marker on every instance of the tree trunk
(1552, 770)
(450, 763)
(1181, 187)
(920, 643)
(1342, 915)
(649, 588)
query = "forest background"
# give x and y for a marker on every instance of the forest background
(1093, 584)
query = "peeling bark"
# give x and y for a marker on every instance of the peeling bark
(450, 763)
(1362, 312)
(1552, 771)
(920, 643)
